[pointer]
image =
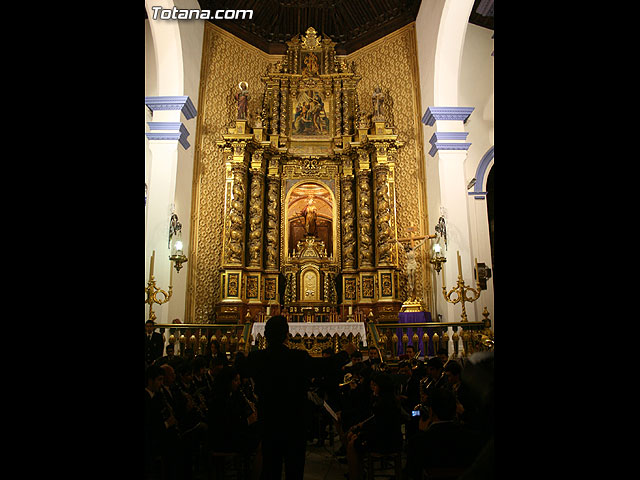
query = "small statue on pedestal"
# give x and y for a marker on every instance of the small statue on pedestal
(378, 100)
(242, 97)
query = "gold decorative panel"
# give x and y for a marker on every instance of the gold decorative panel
(226, 61)
(322, 112)
(391, 64)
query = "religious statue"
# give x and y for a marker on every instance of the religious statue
(378, 100)
(411, 266)
(311, 63)
(310, 215)
(242, 97)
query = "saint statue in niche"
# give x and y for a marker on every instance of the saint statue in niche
(310, 215)
(378, 100)
(242, 97)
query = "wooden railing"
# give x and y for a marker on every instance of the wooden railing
(456, 339)
(197, 336)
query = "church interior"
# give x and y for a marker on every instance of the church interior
(330, 162)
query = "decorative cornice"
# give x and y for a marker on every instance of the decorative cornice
(437, 146)
(182, 103)
(446, 113)
(167, 131)
(438, 136)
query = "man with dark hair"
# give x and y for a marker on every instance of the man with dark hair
(435, 372)
(157, 422)
(153, 343)
(282, 377)
(441, 442)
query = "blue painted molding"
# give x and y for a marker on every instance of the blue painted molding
(478, 195)
(448, 146)
(158, 127)
(446, 113)
(481, 171)
(438, 136)
(183, 103)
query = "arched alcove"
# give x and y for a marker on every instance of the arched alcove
(490, 216)
(315, 196)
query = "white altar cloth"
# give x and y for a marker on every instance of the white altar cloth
(316, 328)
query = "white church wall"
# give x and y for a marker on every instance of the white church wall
(191, 36)
(456, 70)
(172, 68)
(476, 89)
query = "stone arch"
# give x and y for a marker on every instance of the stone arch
(449, 48)
(482, 173)
(167, 47)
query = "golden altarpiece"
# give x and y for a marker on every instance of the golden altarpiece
(310, 194)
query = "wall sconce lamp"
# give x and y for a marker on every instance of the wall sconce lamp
(175, 243)
(437, 259)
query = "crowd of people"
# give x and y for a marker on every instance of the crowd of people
(268, 406)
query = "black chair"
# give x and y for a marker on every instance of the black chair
(378, 462)
(223, 465)
(443, 473)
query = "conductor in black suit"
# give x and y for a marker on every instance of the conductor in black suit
(282, 377)
(153, 343)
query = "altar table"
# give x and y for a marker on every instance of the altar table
(316, 328)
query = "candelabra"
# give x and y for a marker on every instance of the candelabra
(461, 290)
(152, 291)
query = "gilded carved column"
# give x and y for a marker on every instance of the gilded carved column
(339, 127)
(256, 203)
(348, 224)
(284, 108)
(385, 236)
(234, 241)
(273, 235)
(365, 219)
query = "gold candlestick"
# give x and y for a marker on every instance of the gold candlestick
(461, 290)
(152, 291)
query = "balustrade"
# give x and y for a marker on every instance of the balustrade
(197, 336)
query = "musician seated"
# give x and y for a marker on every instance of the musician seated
(466, 410)
(380, 433)
(168, 358)
(356, 357)
(373, 358)
(436, 376)
(159, 422)
(191, 406)
(441, 442)
(203, 382)
(232, 416)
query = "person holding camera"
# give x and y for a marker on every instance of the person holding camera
(441, 442)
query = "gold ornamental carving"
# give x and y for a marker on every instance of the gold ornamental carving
(385, 235)
(273, 195)
(365, 240)
(348, 225)
(235, 237)
(256, 218)
(331, 146)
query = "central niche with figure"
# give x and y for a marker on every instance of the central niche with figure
(310, 211)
